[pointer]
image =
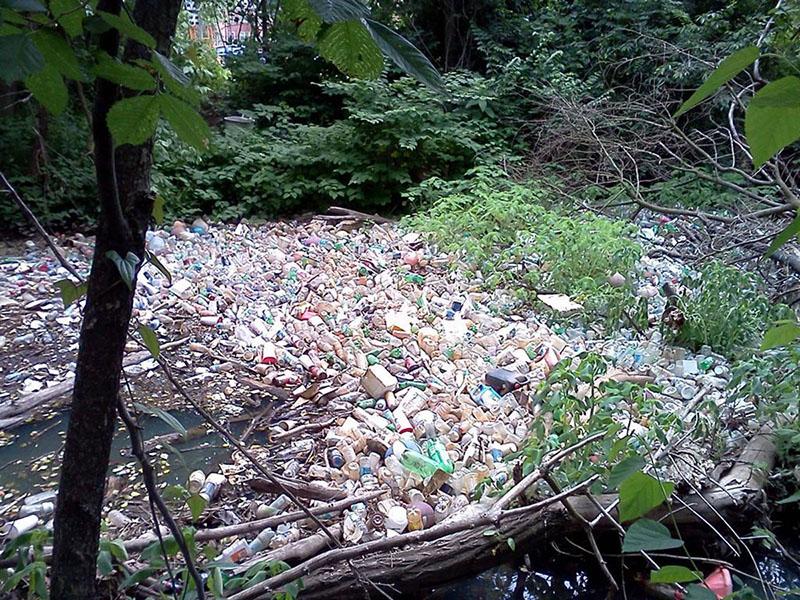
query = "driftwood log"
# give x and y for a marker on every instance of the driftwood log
(16, 412)
(415, 567)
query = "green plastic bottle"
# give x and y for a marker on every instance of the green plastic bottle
(418, 463)
(438, 453)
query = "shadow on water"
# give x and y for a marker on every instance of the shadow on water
(557, 579)
(29, 462)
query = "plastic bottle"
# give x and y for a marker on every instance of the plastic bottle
(414, 519)
(335, 458)
(418, 463)
(196, 480)
(262, 541)
(437, 452)
(212, 486)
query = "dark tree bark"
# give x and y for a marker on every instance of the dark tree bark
(123, 184)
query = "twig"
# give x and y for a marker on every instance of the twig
(40, 229)
(587, 528)
(135, 433)
(537, 474)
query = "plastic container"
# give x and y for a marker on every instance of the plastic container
(196, 480)
(212, 486)
(396, 519)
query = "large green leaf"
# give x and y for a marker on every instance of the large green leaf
(640, 493)
(19, 57)
(648, 535)
(332, 11)
(792, 230)
(674, 574)
(126, 266)
(405, 55)
(133, 120)
(699, 592)
(349, 46)
(197, 504)
(185, 120)
(128, 28)
(624, 469)
(150, 340)
(69, 14)
(727, 70)
(306, 19)
(782, 335)
(129, 76)
(772, 119)
(70, 292)
(57, 53)
(159, 413)
(48, 87)
(173, 78)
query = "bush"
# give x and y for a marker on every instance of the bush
(511, 240)
(63, 191)
(393, 134)
(725, 309)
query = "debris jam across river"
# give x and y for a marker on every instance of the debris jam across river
(354, 360)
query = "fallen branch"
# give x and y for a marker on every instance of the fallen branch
(314, 491)
(219, 533)
(347, 212)
(308, 427)
(16, 412)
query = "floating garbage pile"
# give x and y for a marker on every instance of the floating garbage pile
(389, 373)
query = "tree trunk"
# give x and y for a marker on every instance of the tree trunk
(123, 182)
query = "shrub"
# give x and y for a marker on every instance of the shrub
(393, 134)
(63, 190)
(725, 309)
(511, 240)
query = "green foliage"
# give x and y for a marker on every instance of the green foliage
(30, 569)
(648, 535)
(573, 406)
(509, 240)
(640, 493)
(772, 119)
(724, 309)
(392, 134)
(60, 189)
(771, 382)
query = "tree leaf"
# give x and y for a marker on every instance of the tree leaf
(69, 14)
(70, 292)
(782, 335)
(171, 69)
(104, 564)
(186, 121)
(129, 76)
(159, 413)
(48, 87)
(793, 498)
(126, 27)
(405, 55)
(727, 70)
(57, 53)
(772, 119)
(19, 57)
(133, 120)
(126, 266)
(640, 493)
(153, 260)
(150, 340)
(116, 548)
(699, 592)
(511, 544)
(792, 230)
(624, 469)
(215, 583)
(197, 504)
(648, 535)
(333, 11)
(674, 574)
(306, 19)
(137, 577)
(158, 209)
(349, 46)
(173, 78)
